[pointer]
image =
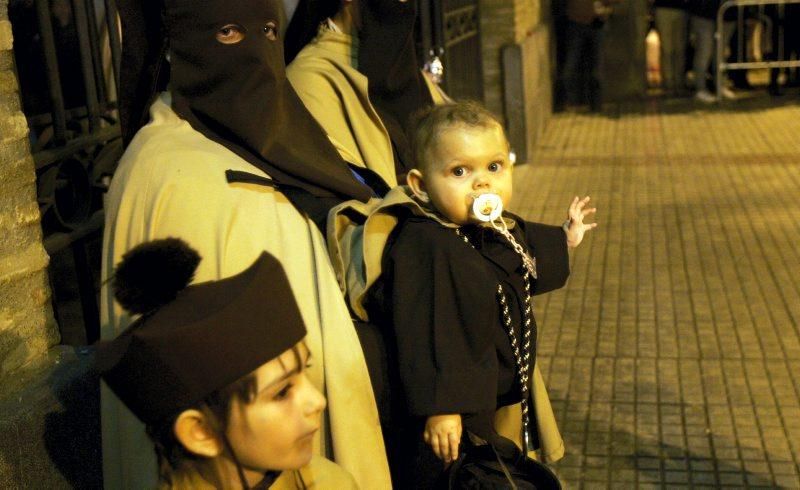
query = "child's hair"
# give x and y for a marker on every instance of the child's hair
(173, 459)
(428, 123)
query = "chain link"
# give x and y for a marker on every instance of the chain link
(527, 261)
(522, 354)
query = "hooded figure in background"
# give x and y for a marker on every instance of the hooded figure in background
(353, 63)
(230, 161)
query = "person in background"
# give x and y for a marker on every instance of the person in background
(793, 41)
(584, 44)
(672, 23)
(785, 39)
(703, 25)
(354, 65)
(218, 373)
(743, 33)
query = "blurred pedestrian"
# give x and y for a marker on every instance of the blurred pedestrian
(672, 23)
(792, 40)
(580, 77)
(785, 41)
(703, 24)
(746, 20)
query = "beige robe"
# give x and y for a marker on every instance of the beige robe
(319, 474)
(357, 234)
(171, 183)
(324, 76)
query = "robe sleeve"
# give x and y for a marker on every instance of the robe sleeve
(549, 246)
(443, 312)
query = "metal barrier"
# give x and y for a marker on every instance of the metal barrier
(68, 59)
(723, 66)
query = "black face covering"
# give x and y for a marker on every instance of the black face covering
(387, 57)
(238, 95)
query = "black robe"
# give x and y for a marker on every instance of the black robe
(437, 302)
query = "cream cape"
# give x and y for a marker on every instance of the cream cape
(171, 183)
(357, 234)
(324, 76)
(319, 474)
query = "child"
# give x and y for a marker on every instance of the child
(217, 373)
(452, 286)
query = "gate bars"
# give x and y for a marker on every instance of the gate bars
(723, 66)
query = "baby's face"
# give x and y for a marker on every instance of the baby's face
(467, 161)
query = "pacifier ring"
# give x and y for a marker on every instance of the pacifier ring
(487, 207)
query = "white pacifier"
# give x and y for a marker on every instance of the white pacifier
(487, 207)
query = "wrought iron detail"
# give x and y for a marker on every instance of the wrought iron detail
(460, 24)
(67, 55)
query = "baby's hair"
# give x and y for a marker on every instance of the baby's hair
(428, 123)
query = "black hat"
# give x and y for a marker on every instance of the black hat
(208, 336)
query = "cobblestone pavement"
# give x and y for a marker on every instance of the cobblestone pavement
(673, 354)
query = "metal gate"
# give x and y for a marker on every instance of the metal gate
(67, 55)
(450, 29)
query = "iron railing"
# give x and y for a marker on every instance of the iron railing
(67, 54)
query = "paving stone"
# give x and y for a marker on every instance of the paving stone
(649, 486)
(703, 478)
(596, 474)
(649, 476)
(731, 479)
(787, 481)
(701, 465)
(784, 468)
(676, 477)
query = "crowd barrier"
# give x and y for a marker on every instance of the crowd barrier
(780, 58)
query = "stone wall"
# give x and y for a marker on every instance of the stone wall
(49, 416)
(27, 328)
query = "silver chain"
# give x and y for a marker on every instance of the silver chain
(522, 354)
(527, 261)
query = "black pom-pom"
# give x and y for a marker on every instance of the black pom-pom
(151, 274)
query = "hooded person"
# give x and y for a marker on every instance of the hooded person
(353, 63)
(217, 372)
(229, 160)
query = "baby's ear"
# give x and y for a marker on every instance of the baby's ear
(194, 432)
(416, 182)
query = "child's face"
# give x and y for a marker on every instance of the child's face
(465, 161)
(275, 431)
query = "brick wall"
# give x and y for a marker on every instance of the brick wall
(27, 328)
(497, 30)
(516, 39)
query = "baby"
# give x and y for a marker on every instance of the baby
(455, 292)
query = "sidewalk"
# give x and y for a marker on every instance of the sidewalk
(673, 354)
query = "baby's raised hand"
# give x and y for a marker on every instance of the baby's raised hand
(443, 434)
(574, 226)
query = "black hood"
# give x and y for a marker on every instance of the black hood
(387, 56)
(236, 94)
